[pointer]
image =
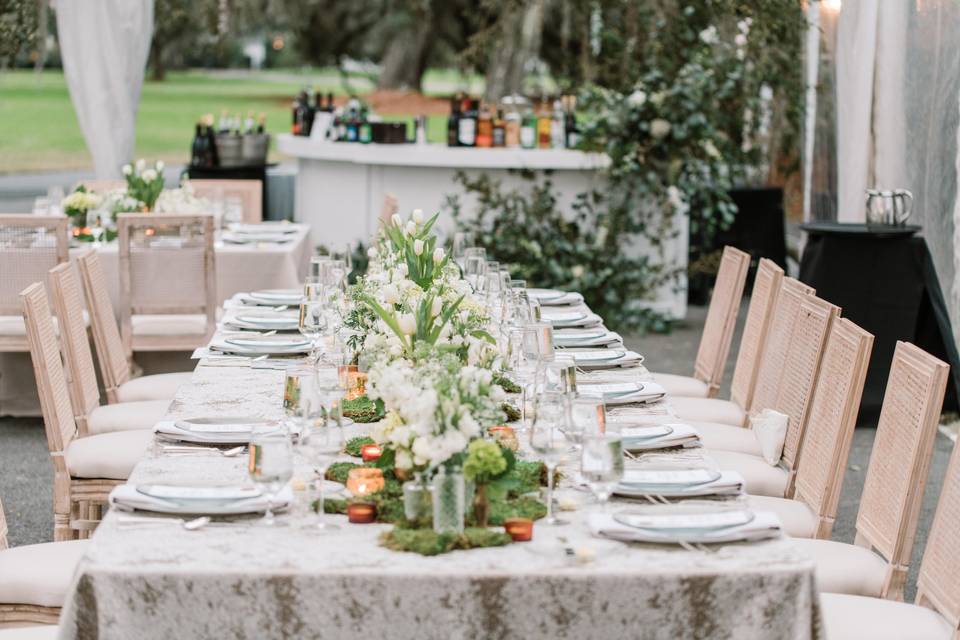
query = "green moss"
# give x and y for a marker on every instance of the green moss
(429, 543)
(355, 444)
(513, 414)
(506, 383)
(363, 410)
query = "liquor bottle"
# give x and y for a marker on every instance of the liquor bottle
(330, 106)
(484, 127)
(196, 150)
(248, 123)
(365, 131)
(570, 126)
(512, 127)
(557, 126)
(467, 127)
(499, 131)
(213, 157)
(528, 130)
(543, 126)
(453, 122)
(353, 125)
(262, 123)
(295, 125)
(319, 107)
(224, 125)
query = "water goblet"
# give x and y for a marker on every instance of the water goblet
(547, 440)
(587, 417)
(312, 324)
(271, 465)
(601, 464)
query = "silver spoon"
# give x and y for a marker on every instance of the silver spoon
(230, 453)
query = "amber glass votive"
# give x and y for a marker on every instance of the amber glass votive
(505, 436)
(370, 452)
(361, 512)
(520, 529)
(363, 481)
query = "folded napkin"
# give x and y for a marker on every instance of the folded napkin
(682, 435)
(730, 483)
(219, 345)
(568, 299)
(648, 392)
(571, 341)
(126, 497)
(169, 429)
(765, 525)
(629, 359)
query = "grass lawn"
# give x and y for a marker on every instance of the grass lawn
(39, 131)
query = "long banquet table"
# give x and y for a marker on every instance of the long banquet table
(245, 581)
(239, 268)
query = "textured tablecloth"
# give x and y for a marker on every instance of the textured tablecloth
(243, 581)
(239, 268)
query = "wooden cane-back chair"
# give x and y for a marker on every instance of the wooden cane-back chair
(168, 298)
(897, 475)
(763, 300)
(114, 366)
(29, 247)
(831, 420)
(250, 193)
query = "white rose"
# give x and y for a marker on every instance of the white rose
(637, 99)
(372, 252)
(402, 459)
(418, 247)
(439, 254)
(149, 175)
(659, 128)
(436, 307)
(411, 228)
(141, 165)
(390, 294)
(127, 169)
(408, 324)
(396, 220)
(417, 216)
(160, 165)
(709, 35)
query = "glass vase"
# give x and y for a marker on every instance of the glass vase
(416, 498)
(448, 501)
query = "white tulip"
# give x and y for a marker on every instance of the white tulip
(396, 220)
(418, 247)
(408, 324)
(127, 169)
(403, 269)
(141, 165)
(411, 228)
(160, 165)
(417, 216)
(402, 459)
(436, 307)
(149, 175)
(390, 293)
(439, 254)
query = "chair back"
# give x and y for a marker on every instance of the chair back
(830, 421)
(29, 247)
(102, 186)
(897, 475)
(763, 300)
(250, 193)
(68, 303)
(721, 319)
(773, 357)
(938, 583)
(58, 421)
(3, 529)
(167, 266)
(114, 366)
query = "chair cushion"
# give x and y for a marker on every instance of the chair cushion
(761, 479)
(161, 386)
(39, 574)
(108, 455)
(846, 568)
(126, 416)
(14, 326)
(846, 616)
(681, 386)
(165, 324)
(725, 437)
(708, 410)
(799, 520)
(43, 632)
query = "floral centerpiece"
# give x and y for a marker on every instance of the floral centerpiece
(143, 183)
(77, 204)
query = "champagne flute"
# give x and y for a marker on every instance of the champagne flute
(271, 465)
(312, 324)
(601, 464)
(547, 439)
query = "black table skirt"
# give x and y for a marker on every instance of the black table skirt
(888, 286)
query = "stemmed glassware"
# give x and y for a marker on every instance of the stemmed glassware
(601, 464)
(312, 324)
(271, 465)
(547, 440)
(475, 266)
(95, 224)
(326, 436)
(523, 364)
(460, 242)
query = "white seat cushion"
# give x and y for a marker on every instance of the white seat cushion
(161, 386)
(681, 386)
(39, 574)
(799, 520)
(761, 479)
(725, 437)
(846, 568)
(708, 410)
(108, 455)
(43, 632)
(846, 616)
(166, 324)
(13, 325)
(126, 416)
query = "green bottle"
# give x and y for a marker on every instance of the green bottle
(528, 130)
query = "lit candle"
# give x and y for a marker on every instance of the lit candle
(363, 481)
(520, 529)
(361, 512)
(370, 452)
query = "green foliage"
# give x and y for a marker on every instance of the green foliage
(354, 445)
(363, 410)
(18, 28)
(428, 543)
(512, 413)
(505, 383)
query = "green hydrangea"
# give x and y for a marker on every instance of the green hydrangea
(484, 461)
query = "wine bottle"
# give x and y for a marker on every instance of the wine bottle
(571, 128)
(330, 105)
(528, 130)
(512, 127)
(499, 131)
(557, 126)
(196, 148)
(295, 125)
(353, 124)
(453, 122)
(262, 123)
(213, 156)
(365, 131)
(484, 127)
(467, 130)
(543, 126)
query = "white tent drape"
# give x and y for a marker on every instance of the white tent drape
(104, 46)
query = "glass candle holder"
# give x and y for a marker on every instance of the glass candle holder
(361, 512)
(520, 529)
(363, 481)
(370, 452)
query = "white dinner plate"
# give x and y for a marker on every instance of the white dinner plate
(564, 318)
(574, 335)
(643, 433)
(611, 390)
(277, 296)
(684, 520)
(279, 323)
(283, 343)
(263, 227)
(597, 355)
(180, 493)
(672, 478)
(221, 424)
(546, 294)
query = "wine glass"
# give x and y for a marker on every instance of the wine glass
(312, 324)
(560, 374)
(547, 440)
(523, 368)
(95, 224)
(588, 417)
(326, 434)
(316, 267)
(460, 242)
(475, 265)
(271, 465)
(601, 464)
(344, 253)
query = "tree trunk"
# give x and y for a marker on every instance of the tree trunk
(518, 47)
(158, 68)
(406, 58)
(42, 32)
